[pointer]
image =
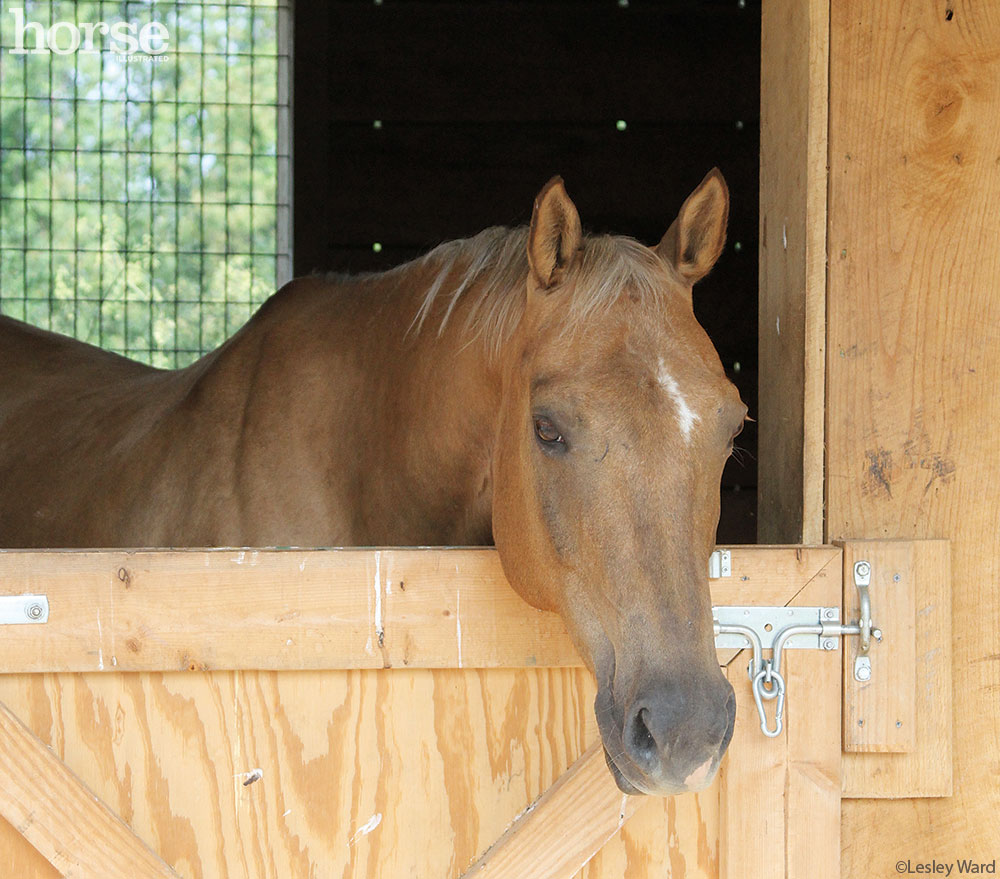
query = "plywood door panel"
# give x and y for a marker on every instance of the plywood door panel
(914, 362)
(360, 769)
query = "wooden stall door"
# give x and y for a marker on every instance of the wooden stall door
(403, 708)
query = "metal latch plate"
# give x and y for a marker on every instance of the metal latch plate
(768, 623)
(23, 609)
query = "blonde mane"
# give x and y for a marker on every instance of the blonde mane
(492, 267)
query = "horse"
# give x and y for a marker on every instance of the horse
(545, 390)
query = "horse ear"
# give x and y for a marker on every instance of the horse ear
(695, 239)
(554, 236)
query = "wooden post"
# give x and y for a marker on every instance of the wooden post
(793, 177)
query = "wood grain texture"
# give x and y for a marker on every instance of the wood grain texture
(914, 362)
(792, 267)
(880, 713)
(926, 771)
(360, 769)
(559, 833)
(54, 811)
(780, 797)
(320, 609)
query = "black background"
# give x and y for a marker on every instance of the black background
(479, 103)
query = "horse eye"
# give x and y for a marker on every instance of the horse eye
(547, 432)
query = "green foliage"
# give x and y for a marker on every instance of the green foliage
(138, 199)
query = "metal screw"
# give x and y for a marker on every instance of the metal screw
(899, 723)
(830, 613)
(877, 634)
(829, 644)
(863, 673)
(34, 611)
(863, 569)
(896, 578)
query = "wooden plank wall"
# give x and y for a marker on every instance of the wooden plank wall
(914, 363)
(480, 102)
(468, 748)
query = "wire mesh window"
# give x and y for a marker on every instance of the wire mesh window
(144, 196)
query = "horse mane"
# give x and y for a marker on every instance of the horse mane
(492, 267)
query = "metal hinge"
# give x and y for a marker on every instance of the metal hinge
(23, 609)
(792, 628)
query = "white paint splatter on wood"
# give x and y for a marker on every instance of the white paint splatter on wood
(367, 827)
(379, 629)
(458, 626)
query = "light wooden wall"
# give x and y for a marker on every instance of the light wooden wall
(162, 678)
(913, 362)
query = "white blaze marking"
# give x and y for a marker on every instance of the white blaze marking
(686, 416)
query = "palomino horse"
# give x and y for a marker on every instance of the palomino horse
(538, 388)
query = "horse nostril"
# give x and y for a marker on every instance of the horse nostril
(640, 742)
(730, 721)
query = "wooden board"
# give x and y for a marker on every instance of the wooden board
(914, 363)
(926, 770)
(880, 713)
(49, 806)
(792, 246)
(781, 797)
(319, 609)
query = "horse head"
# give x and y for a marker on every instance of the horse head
(616, 420)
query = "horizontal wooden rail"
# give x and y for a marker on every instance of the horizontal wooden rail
(169, 610)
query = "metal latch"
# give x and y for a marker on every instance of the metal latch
(789, 628)
(22, 609)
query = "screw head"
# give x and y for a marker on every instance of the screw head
(829, 644)
(863, 569)
(34, 611)
(830, 613)
(896, 578)
(863, 673)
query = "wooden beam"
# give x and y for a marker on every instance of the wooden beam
(319, 609)
(48, 805)
(560, 832)
(792, 322)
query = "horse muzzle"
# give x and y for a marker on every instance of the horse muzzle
(667, 739)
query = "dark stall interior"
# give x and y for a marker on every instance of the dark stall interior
(417, 122)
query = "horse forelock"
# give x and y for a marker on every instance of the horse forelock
(490, 270)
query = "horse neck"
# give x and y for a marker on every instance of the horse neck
(400, 421)
(435, 396)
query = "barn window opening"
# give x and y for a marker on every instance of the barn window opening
(144, 184)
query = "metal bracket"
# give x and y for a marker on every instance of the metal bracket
(720, 564)
(23, 609)
(792, 628)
